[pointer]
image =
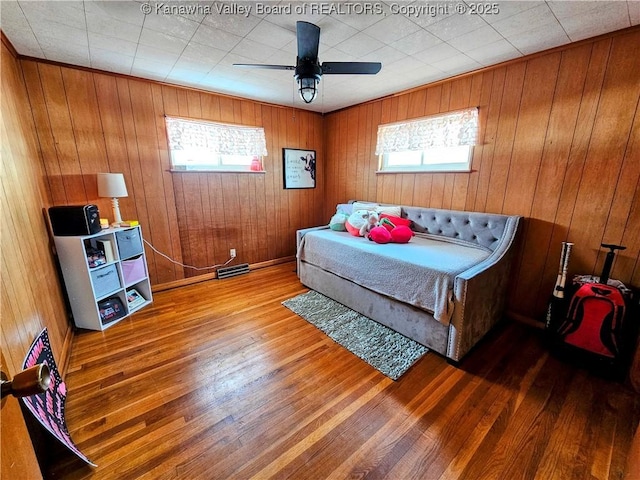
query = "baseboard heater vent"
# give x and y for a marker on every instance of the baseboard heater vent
(226, 272)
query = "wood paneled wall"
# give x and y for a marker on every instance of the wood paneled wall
(249, 212)
(31, 292)
(88, 122)
(559, 144)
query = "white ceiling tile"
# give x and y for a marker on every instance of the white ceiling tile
(601, 18)
(493, 53)
(566, 9)
(12, 16)
(194, 11)
(76, 56)
(113, 27)
(426, 14)
(360, 15)
(186, 44)
(509, 8)
(272, 35)
(203, 54)
(57, 34)
(15, 25)
(289, 21)
(110, 60)
(236, 24)
(220, 82)
(359, 45)
(145, 52)
(254, 50)
(227, 65)
(114, 44)
(174, 25)
(416, 42)
(385, 55)
(392, 28)
(456, 64)
(62, 13)
(127, 12)
(146, 65)
(148, 74)
(334, 32)
(282, 57)
(220, 39)
(31, 50)
(541, 38)
(405, 64)
(54, 32)
(525, 21)
(436, 53)
(477, 38)
(454, 26)
(335, 55)
(273, 76)
(185, 75)
(193, 65)
(162, 41)
(427, 71)
(634, 11)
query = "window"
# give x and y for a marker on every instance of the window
(210, 146)
(440, 143)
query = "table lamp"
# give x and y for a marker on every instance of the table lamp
(111, 185)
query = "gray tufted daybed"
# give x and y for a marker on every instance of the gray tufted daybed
(445, 289)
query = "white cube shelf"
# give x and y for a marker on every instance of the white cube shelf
(123, 271)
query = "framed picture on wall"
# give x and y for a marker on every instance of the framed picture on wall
(299, 168)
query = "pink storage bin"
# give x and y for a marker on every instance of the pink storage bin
(133, 270)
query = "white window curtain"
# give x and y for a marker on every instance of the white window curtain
(446, 130)
(214, 137)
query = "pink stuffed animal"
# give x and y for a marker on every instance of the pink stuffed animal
(399, 234)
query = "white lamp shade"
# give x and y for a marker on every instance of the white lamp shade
(111, 185)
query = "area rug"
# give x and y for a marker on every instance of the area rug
(384, 349)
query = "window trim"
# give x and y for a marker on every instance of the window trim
(444, 167)
(219, 168)
(430, 136)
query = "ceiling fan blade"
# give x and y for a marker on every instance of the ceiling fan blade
(260, 65)
(351, 68)
(308, 36)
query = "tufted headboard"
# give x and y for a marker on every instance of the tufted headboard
(486, 229)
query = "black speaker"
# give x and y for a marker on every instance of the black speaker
(71, 220)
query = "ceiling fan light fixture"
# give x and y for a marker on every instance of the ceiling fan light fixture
(308, 88)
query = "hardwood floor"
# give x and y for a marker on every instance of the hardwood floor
(219, 380)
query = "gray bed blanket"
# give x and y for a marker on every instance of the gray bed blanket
(420, 272)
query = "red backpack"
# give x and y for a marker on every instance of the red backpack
(595, 319)
(594, 322)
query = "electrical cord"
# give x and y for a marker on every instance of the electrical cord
(182, 264)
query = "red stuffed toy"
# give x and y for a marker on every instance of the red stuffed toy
(399, 234)
(380, 235)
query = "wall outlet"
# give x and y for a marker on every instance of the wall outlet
(232, 252)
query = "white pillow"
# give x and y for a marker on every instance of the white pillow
(369, 206)
(394, 210)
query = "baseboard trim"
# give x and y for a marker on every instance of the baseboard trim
(183, 282)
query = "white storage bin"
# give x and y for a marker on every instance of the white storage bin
(129, 243)
(105, 280)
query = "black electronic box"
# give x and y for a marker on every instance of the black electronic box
(71, 220)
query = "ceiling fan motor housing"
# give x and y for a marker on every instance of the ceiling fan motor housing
(306, 68)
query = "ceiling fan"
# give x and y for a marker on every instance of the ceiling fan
(308, 69)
